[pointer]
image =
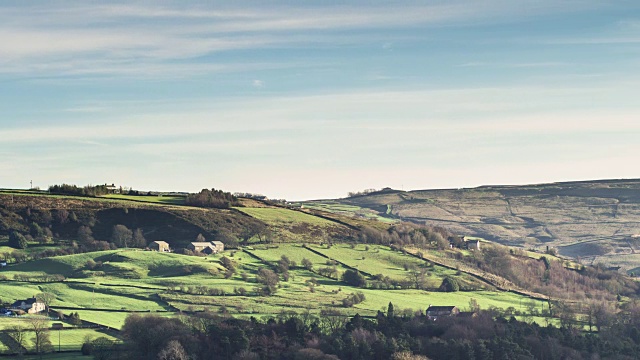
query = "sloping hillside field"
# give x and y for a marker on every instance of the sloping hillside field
(167, 283)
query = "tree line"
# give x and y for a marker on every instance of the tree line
(212, 199)
(393, 334)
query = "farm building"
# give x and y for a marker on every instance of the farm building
(212, 247)
(160, 246)
(31, 305)
(112, 189)
(218, 246)
(467, 314)
(434, 312)
(473, 244)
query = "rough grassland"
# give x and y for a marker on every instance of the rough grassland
(593, 220)
(168, 200)
(284, 216)
(296, 226)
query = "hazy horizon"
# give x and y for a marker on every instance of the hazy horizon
(313, 100)
(334, 197)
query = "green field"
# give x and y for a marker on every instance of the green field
(348, 210)
(198, 283)
(119, 263)
(7, 322)
(284, 216)
(375, 260)
(111, 319)
(70, 340)
(158, 199)
(294, 252)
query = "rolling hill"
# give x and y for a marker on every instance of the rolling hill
(597, 221)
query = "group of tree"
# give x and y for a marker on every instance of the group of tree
(35, 329)
(408, 234)
(391, 335)
(89, 190)
(362, 192)
(212, 199)
(549, 275)
(122, 237)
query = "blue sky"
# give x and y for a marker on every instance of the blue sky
(304, 100)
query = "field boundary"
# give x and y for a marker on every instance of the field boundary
(339, 262)
(482, 278)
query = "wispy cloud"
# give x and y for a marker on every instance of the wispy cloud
(453, 111)
(124, 38)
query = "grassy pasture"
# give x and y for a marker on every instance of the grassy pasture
(70, 340)
(110, 319)
(381, 260)
(12, 291)
(119, 264)
(348, 210)
(9, 321)
(294, 252)
(157, 199)
(295, 226)
(92, 296)
(375, 260)
(33, 247)
(114, 320)
(284, 216)
(296, 294)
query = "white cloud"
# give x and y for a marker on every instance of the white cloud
(258, 84)
(456, 112)
(113, 38)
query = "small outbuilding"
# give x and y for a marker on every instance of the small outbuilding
(435, 312)
(218, 246)
(160, 246)
(473, 244)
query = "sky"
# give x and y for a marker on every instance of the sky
(313, 99)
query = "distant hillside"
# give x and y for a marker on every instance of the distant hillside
(598, 221)
(57, 217)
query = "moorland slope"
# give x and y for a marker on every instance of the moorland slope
(598, 221)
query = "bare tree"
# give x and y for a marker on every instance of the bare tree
(121, 236)
(331, 320)
(173, 351)
(19, 336)
(41, 340)
(417, 277)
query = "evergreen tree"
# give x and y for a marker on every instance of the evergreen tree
(17, 240)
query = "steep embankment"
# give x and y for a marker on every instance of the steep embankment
(596, 220)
